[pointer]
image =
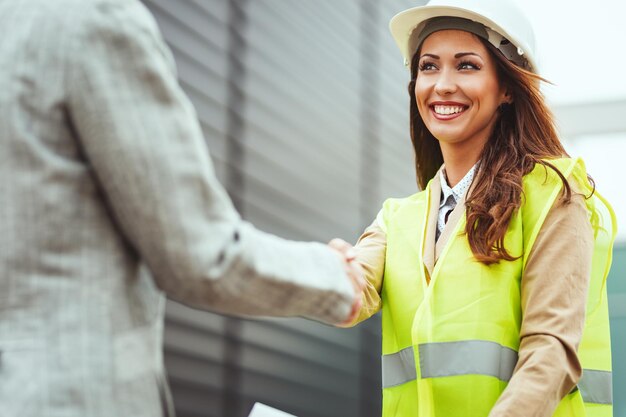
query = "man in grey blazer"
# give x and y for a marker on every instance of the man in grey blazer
(104, 175)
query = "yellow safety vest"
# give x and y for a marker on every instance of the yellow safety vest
(449, 347)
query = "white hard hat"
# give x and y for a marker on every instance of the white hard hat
(505, 26)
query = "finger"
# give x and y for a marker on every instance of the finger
(354, 313)
(358, 283)
(361, 283)
(357, 275)
(340, 245)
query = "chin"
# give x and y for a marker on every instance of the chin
(448, 137)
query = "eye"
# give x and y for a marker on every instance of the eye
(468, 65)
(427, 66)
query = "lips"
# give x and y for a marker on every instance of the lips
(447, 110)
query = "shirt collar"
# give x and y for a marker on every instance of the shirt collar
(459, 189)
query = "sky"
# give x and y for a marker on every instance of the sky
(580, 47)
(581, 50)
(599, 152)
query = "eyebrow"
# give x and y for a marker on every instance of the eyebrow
(462, 54)
(459, 55)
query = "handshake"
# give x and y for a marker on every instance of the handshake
(347, 255)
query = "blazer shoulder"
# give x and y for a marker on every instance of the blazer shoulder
(121, 14)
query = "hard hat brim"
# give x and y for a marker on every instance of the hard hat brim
(403, 25)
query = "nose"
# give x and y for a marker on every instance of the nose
(445, 83)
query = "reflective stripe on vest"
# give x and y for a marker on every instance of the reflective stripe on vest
(398, 368)
(477, 357)
(596, 386)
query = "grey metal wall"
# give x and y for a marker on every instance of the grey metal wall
(303, 105)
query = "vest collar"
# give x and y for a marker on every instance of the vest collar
(433, 247)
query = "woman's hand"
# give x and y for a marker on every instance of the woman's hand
(347, 255)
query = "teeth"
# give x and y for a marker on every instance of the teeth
(439, 109)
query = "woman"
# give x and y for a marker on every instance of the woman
(484, 276)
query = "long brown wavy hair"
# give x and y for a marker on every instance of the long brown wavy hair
(523, 135)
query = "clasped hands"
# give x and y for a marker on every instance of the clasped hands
(347, 255)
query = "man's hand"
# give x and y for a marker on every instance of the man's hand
(354, 271)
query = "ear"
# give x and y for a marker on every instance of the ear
(507, 98)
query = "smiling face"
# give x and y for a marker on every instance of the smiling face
(457, 90)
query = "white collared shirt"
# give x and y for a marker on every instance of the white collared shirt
(451, 196)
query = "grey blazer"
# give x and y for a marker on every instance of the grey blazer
(104, 176)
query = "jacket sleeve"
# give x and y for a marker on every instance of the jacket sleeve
(141, 138)
(554, 294)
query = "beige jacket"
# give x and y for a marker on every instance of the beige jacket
(554, 293)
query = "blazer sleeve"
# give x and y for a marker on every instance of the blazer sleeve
(554, 294)
(142, 140)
